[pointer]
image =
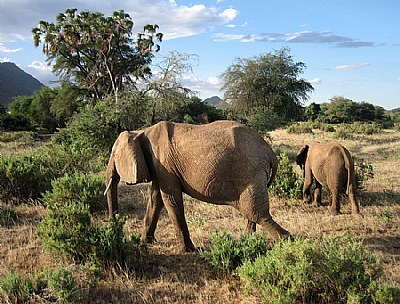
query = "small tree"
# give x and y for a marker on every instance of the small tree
(266, 85)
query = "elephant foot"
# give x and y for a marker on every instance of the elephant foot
(186, 248)
(149, 239)
(333, 211)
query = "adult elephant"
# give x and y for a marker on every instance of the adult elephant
(223, 163)
(329, 164)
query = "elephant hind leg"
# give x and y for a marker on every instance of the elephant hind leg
(335, 207)
(251, 227)
(318, 194)
(254, 205)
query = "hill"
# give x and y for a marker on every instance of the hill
(216, 102)
(15, 82)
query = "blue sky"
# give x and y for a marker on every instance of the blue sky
(350, 48)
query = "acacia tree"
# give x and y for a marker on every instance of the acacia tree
(96, 53)
(266, 87)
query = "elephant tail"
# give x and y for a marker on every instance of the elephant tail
(349, 165)
(273, 169)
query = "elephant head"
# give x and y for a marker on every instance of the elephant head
(126, 163)
(302, 157)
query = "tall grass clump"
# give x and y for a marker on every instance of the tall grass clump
(286, 183)
(15, 288)
(8, 216)
(336, 269)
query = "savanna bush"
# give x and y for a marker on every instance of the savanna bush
(363, 170)
(56, 285)
(286, 183)
(67, 229)
(23, 177)
(335, 269)
(226, 253)
(77, 187)
(299, 128)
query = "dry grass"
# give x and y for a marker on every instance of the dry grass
(169, 277)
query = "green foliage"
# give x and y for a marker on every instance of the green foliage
(386, 216)
(8, 216)
(23, 177)
(269, 83)
(19, 136)
(62, 284)
(15, 288)
(336, 269)
(264, 120)
(397, 126)
(67, 230)
(97, 52)
(78, 187)
(226, 253)
(286, 183)
(312, 111)
(363, 170)
(299, 128)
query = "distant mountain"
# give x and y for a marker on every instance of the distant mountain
(216, 101)
(15, 82)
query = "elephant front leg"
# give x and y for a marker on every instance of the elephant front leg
(154, 207)
(174, 204)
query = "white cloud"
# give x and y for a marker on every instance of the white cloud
(4, 59)
(7, 50)
(174, 20)
(209, 87)
(350, 66)
(40, 66)
(315, 81)
(297, 37)
(213, 80)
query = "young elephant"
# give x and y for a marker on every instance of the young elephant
(223, 163)
(331, 165)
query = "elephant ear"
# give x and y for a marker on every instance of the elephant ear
(302, 156)
(129, 158)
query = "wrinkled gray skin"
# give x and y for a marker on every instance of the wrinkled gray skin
(329, 164)
(223, 163)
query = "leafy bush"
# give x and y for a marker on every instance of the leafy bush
(78, 187)
(286, 183)
(397, 126)
(23, 177)
(227, 254)
(8, 216)
(363, 170)
(67, 229)
(344, 130)
(336, 269)
(15, 288)
(299, 128)
(327, 127)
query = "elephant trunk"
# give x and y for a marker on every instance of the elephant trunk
(112, 180)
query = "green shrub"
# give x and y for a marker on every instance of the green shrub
(336, 269)
(226, 253)
(66, 230)
(78, 187)
(21, 136)
(23, 177)
(397, 126)
(8, 216)
(62, 284)
(286, 183)
(299, 128)
(342, 133)
(327, 128)
(113, 247)
(15, 288)
(363, 170)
